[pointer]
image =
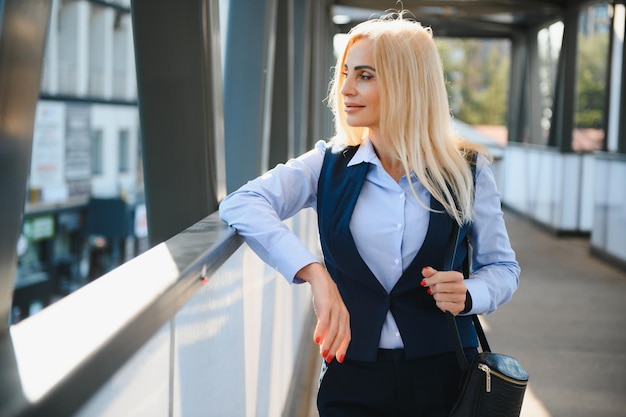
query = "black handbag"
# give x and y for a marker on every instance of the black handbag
(493, 384)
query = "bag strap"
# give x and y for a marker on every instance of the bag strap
(454, 330)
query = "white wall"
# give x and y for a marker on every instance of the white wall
(609, 222)
(111, 119)
(89, 52)
(570, 193)
(550, 187)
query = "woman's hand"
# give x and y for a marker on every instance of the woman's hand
(447, 288)
(332, 332)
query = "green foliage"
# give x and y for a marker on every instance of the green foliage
(477, 74)
(591, 80)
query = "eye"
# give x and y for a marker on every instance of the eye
(366, 77)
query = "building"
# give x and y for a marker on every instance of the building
(85, 189)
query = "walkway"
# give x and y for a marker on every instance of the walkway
(566, 324)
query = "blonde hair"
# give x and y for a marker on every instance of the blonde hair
(415, 119)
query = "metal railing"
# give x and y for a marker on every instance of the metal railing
(197, 324)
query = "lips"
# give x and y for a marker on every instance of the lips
(352, 107)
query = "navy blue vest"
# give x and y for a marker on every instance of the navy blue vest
(422, 325)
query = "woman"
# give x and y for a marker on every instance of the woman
(389, 188)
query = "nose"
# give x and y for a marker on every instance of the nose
(347, 89)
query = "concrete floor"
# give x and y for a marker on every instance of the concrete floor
(566, 324)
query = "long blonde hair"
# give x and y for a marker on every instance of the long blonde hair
(415, 119)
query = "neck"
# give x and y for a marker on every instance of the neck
(391, 164)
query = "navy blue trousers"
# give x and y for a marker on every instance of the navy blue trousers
(393, 386)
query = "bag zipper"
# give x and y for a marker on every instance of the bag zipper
(488, 371)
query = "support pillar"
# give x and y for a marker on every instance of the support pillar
(177, 56)
(23, 28)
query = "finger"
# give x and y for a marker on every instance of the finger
(454, 308)
(319, 333)
(428, 271)
(326, 349)
(322, 323)
(329, 344)
(450, 297)
(446, 283)
(341, 352)
(448, 277)
(453, 288)
(339, 344)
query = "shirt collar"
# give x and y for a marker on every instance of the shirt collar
(365, 153)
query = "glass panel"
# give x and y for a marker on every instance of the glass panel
(96, 152)
(549, 42)
(123, 151)
(477, 75)
(593, 46)
(68, 47)
(97, 33)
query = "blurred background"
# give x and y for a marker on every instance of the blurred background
(124, 123)
(85, 210)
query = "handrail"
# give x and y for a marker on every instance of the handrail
(54, 361)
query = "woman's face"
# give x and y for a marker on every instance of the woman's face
(360, 87)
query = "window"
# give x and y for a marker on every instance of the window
(96, 152)
(591, 80)
(549, 44)
(123, 151)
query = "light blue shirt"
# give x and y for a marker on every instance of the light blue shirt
(388, 225)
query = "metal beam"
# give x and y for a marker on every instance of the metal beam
(302, 73)
(462, 18)
(564, 108)
(23, 28)
(534, 105)
(180, 107)
(616, 92)
(282, 125)
(517, 114)
(321, 32)
(248, 78)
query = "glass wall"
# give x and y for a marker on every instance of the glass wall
(85, 156)
(591, 79)
(477, 72)
(549, 42)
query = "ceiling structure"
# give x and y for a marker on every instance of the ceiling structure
(462, 18)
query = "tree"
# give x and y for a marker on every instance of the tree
(477, 73)
(591, 81)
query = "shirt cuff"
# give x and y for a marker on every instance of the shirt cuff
(468, 303)
(288, 255)
(479, 294)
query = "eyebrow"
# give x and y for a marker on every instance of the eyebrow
(361, 67)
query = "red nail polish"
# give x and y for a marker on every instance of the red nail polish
(330, 358)
(340, 358)
(325, 353)
(423, 283)
(318, 340)
(429, 291)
